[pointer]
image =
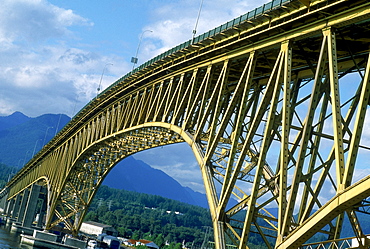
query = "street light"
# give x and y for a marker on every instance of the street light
(135, 59)
(196, 23)
(101, 77)
(25, 156)
(46, 132)
(34, 148)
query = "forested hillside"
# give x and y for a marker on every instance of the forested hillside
(6, 173)
(141, 216)
(21, 137)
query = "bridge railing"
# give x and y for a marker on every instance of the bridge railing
(344, 243)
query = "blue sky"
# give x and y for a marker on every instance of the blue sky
(54, 52)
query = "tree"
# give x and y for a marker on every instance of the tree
(146, 217)
(91, 215)
(136, 235)
(159, 240)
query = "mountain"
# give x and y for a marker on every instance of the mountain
(135, 175)
(21, 137)
(15, 119)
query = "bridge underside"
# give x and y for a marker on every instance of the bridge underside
(274, 112)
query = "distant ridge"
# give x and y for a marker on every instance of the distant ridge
(135, 175)
(12, 120)
(21, 137)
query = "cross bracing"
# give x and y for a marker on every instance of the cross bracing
(274, 110)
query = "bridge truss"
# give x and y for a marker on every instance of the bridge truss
(274, 110)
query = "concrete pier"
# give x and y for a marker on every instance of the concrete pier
(30, 211)
(18, 228)
(22, 207)
(48, 240)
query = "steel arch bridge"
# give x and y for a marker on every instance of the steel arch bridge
(272, 104)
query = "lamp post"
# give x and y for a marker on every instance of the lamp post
(46, 132)
(101, 77)
(196, 23)
(25, 156)
(34, 148)
(135, 59)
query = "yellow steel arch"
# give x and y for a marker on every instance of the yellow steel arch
(93, 163)
(267, 109)
(343, 201)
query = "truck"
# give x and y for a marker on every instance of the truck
(111, 241)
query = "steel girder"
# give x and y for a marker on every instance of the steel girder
(275, 119)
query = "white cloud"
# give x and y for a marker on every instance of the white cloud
(53, 79)
(35, 20)
(6, 105)
(39, 72)
(174, 23)
(365, 138)
(177, 161)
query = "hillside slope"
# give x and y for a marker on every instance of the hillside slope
(21, 137)
(135, 175)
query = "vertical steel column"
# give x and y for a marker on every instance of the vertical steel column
(306, 136)
(284, 152)
(335, 103)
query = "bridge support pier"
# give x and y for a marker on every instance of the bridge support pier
(42, 213)
(9, 207)
(16, 205)
(22, 207)
(3, 203)
(30, 210)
